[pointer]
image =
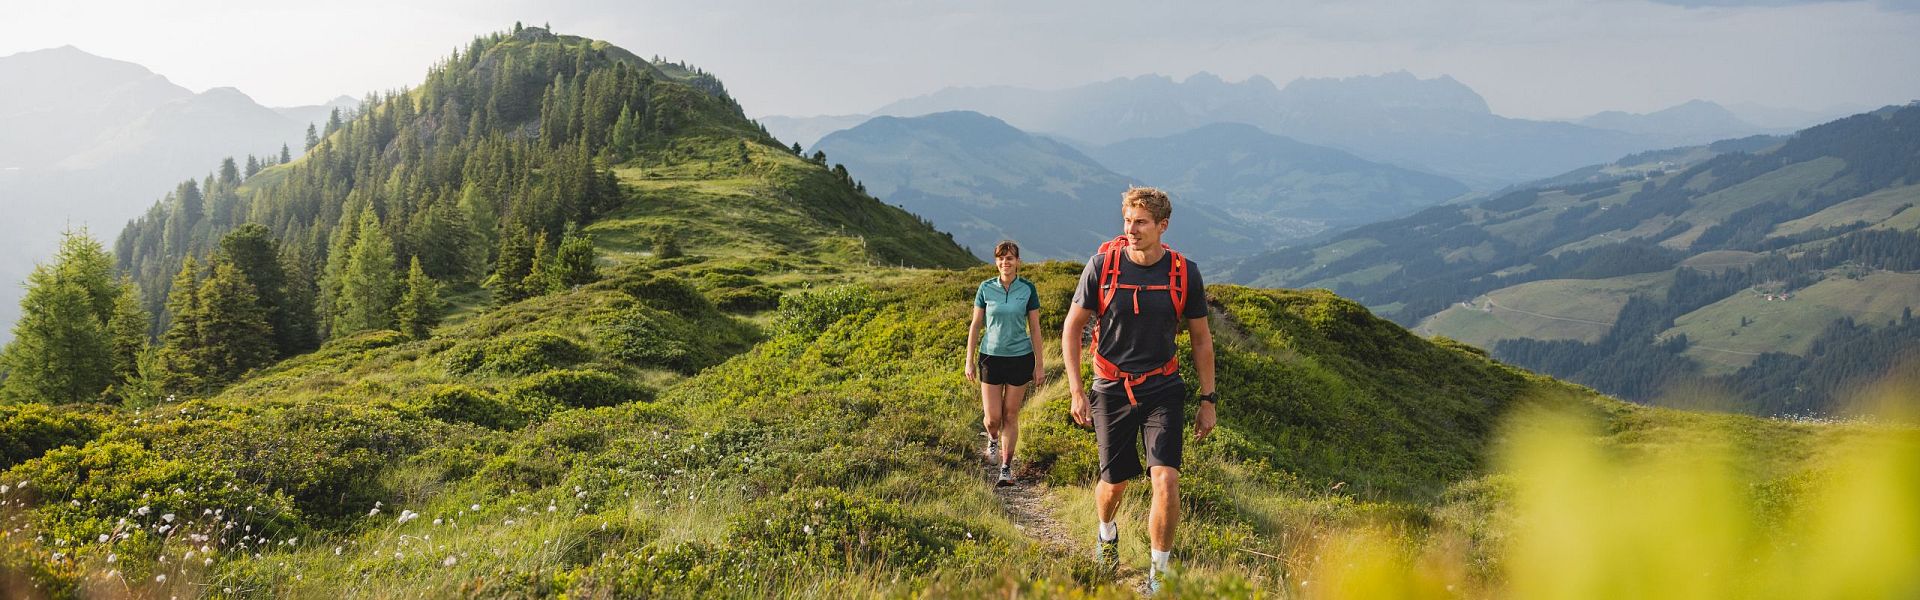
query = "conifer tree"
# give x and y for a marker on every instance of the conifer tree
(313, 137)
(233, 331)
(303, 331)
(180, 364)
(60, 351)
(540, 278)
(286, 154)
(511, 268)
(420, 308)
(127, 334)
(370, 285)
(573, 261)
(256, 253)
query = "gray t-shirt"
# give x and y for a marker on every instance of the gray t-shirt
(1139, 342)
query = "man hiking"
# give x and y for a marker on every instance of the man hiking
(1138, 292)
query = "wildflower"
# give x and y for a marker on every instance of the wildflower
(104, 537)
(436, 522)
(550, 508)
(399, 556)
(373, 512)
(475, 507)
(143, 511)
(208, 562)
(187, 556)
(407, 515)
(337, 549)
(167, 517)
(112, 557)
(579, 495)
(449, 561)
(807, 528)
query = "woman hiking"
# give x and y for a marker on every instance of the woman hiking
(1002, 341)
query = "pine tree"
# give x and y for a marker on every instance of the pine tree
(286, 154)
(253, 250)
(127, 334)
(420, 308)
(233, 331)
(573, 262)
(303, 331)
(61, 352)
(180, 363)
(313, 137)
(253, 166)
(370, 285)
(797, 151)
(540, 278)
(511, 268)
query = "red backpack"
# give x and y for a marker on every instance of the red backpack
(1109, 284)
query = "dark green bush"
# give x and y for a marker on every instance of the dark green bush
(810, 313)
(580, 389)
(753, 298)
(662, 292)
(516, 355)
(30, 430)
(464, 404)
(648, 337)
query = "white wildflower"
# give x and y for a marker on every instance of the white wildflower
(337, 549)
(104, 537)
(208, 561)
(373, 512)
(112, 557)
(474, 507)
(436, 522)
(407, 515)
(550, 507)
(449, 561)
(142, 511)
(161, 578)
(807, 528)
(167, 517)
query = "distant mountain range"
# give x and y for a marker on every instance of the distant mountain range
(90, 141)
(1436, 125)
(1779, 268)
(983, 181)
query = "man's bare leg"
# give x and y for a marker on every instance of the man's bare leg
(1166, 507)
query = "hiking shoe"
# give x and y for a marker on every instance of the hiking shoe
(1106, 554)
(1154, 577)
(993, 448)
(1006, 476)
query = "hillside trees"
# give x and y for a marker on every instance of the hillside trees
(62, 349)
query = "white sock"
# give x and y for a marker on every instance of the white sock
(1109, 530)
(1160, 560)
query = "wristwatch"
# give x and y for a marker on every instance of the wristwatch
(1208, 399)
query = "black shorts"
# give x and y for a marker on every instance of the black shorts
(1119, 426)
(1006, 370)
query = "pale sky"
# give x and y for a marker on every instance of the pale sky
(1529, 58)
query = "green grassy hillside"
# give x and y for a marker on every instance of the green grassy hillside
(1555, 309)
(754, 398)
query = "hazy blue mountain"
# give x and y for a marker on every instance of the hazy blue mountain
(317, 113)
(1285, 186)
(92, 141)
(984, 180)
(807, 130)
(1694, 122)
(1437, 125)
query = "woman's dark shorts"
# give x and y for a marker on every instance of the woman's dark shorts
(1119, 426)
(1006, 370)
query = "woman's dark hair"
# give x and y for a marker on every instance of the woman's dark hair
(1006, 248)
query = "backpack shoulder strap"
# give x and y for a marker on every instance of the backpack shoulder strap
(1177, 284)
(1110, 270)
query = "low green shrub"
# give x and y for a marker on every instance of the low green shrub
(515, 355)
(30, 430)
(811, 312)
(579, 389)
(466, 404)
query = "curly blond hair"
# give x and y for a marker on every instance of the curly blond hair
(1152, 199)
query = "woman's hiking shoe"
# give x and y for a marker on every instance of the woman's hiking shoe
(993, 447)
(1106, 554)
(1006, 476)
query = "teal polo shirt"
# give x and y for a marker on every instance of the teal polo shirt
(1005, 333)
